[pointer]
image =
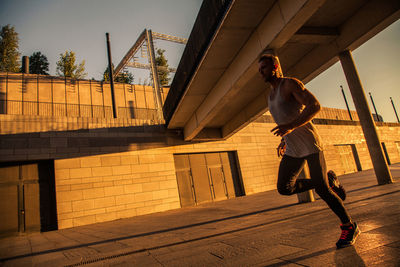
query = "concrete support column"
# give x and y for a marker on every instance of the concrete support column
(367, 123)
(307, 196)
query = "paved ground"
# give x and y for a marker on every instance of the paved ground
(264, 229)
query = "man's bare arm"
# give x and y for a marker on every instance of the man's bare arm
(296, 89)
(306, 98)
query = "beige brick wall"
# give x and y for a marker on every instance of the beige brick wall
(141, 181)
(107, 168)
(104, 172)
(107, 187)
(337, 114)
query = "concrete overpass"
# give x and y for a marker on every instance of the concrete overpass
(217, 89)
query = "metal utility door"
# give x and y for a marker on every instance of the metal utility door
(347, 158)
(204, 177)
(200, 176)
(19, 199)
(221, 182)
(398, 147)
(185, 180)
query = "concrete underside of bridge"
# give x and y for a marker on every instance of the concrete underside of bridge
(217, 89)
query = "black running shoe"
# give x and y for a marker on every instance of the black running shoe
(348, 236)
(335, 185)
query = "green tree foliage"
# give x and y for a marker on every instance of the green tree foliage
(38, 64)
(66, 66)
(9, 55)
(122, 77)
(162, 70)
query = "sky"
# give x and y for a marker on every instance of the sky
(54, 26)
(378, 66)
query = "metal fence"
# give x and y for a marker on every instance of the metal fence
(13, 107)
(42, 95)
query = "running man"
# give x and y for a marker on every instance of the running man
(292, 106)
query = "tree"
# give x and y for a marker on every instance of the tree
(9, 55)
(66, 66)
(125, 77)
(122, 77)
(38, 64)
(163, 72)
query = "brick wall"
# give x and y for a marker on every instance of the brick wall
(107, 169)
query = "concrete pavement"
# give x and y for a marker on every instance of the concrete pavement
(263, 229)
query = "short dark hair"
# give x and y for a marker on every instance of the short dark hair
(267, 57)
(274, 61)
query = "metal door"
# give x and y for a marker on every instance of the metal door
(185, 181)
(206, 177)
(398, 147)
(186, 189)
(230, 170)
(201, 179)
(216, 176)
(29, 183)
(19, 199)
(9, 183)
(347, 158)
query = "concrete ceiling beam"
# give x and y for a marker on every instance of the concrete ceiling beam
(372, 18)
(295, 14)
(208, 134)
(315, 35)
(287, 17)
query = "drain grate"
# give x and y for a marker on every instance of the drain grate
(89, 261)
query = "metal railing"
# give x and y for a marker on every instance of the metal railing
(13, 107)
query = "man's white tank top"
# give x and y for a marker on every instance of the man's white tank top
(302, 141)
